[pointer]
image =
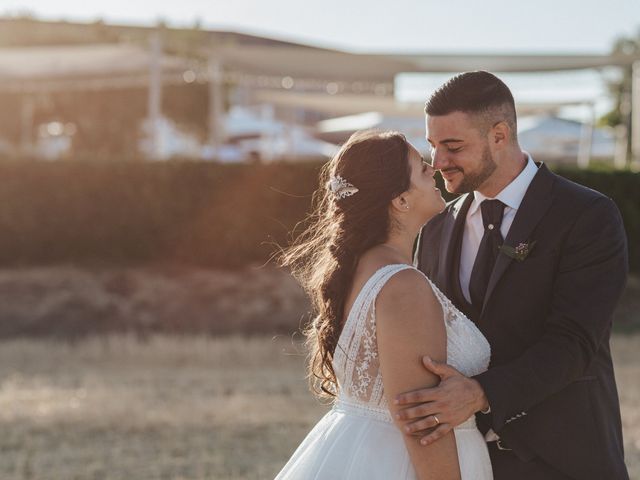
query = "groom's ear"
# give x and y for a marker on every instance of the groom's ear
(500, 134)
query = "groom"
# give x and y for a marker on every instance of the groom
(538, 263)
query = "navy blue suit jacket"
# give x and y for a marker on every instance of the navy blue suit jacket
(551, 383)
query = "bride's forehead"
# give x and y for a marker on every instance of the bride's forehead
(414, 155)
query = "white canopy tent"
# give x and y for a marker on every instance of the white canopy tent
(36, 69)
(341, 75)
(329, 81)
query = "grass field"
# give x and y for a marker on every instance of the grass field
(180, 407)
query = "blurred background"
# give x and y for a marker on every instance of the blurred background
(153, 158)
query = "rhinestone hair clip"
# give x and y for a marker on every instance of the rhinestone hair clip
(340, 188)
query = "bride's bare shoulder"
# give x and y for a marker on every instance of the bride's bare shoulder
(407, 294)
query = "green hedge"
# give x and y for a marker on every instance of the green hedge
(127, 213)
(224, 216)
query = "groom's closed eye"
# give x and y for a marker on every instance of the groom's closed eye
(432, 150)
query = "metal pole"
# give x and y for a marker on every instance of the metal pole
(620, 155)
(26, 135)
(267, 151)
(216, 104)
(586, 139)
(155, 95)
(635, 113)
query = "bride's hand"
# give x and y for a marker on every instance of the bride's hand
(435, 411)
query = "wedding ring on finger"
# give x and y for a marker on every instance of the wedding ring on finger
(436, 419)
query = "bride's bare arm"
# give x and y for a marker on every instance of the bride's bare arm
(410, 325)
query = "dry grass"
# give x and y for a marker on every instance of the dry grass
(179, 408)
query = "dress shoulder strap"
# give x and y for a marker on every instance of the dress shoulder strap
(367, 295)
(372, 287)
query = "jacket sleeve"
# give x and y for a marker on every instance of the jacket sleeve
(590, 278)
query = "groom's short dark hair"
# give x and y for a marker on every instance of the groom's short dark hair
(476, 92)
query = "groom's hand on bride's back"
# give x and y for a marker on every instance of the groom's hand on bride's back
(434, 412)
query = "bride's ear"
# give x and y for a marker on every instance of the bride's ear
(400, 203)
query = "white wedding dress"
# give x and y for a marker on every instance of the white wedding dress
(357, 439)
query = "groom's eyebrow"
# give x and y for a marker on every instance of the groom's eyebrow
(446, 141)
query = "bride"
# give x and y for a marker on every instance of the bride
(376, 317)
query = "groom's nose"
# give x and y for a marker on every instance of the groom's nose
(439, 159)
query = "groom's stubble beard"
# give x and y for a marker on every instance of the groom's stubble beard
(472, 180)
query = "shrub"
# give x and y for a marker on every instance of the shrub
(206, 214)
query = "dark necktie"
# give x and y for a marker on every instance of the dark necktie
(492, 211)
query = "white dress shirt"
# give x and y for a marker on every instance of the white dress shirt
(511, 196)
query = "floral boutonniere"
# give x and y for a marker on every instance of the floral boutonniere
(519, 253)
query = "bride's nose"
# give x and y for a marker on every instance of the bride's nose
(430, 170)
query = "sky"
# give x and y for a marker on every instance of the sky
(546, 26)
(400, 26)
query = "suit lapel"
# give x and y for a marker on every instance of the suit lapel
(453, 226)
(534, 205)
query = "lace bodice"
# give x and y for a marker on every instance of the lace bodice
(355, 360)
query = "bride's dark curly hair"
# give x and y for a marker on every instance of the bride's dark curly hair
(324, 257)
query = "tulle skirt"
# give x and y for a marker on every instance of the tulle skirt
(348, 445)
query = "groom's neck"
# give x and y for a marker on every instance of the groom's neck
(506, 172)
